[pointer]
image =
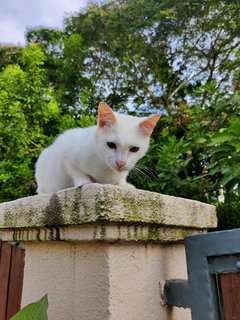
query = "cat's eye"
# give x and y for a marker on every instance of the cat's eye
(112, 145)
(134, 149)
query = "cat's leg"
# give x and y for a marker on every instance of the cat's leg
(123, 183)
(127, 185)
(80, 179)
(50, 176)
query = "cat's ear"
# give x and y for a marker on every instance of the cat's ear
(106, 116)
(149, 124)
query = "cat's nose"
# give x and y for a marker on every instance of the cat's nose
(120, 163)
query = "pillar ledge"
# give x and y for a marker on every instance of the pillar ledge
(104, 212)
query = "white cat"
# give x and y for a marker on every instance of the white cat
(104, 153)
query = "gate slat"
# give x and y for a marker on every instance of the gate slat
(230, 287)
(11, 279)
(6, 252)
(0, 250)
(15, 282)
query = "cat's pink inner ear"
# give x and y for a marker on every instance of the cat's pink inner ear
(106, 116)
(149, 124)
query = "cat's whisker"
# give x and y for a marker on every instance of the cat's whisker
(144, 174)
(138, 173)
(148, 170)
(143, 179)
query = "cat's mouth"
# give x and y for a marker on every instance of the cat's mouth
(121, 169)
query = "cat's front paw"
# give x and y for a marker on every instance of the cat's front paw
(127, 185)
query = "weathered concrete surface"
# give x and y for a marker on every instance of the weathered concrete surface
(103, 252)
(96, 203)
(97, 232)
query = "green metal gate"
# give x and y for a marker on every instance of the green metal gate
(212, 290)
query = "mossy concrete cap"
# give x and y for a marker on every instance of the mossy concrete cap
(96, 203)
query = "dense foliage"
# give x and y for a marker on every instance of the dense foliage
(179, 58)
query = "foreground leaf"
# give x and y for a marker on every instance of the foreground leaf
(34, 311)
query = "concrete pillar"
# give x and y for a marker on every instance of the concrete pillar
(102, 252)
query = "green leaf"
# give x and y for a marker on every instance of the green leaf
(230, 174)
(34, 311)
(235, 126)
(220, 137)
(236, 146)
(201, 140)
(223, 149)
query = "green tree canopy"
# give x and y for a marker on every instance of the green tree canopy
(29, 116)
(179, 58)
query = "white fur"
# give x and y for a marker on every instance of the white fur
(81, 156)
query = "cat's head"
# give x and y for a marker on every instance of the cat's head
(122, 139)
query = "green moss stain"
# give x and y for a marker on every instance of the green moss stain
(129, 235)
(9, 219)
(153, 233)
(53, 216)
(134, 208)
(80, 211)
(119, 232)
(101, 209)
(103, 232)
(54, 234)
(95, 233)
(75, 211)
